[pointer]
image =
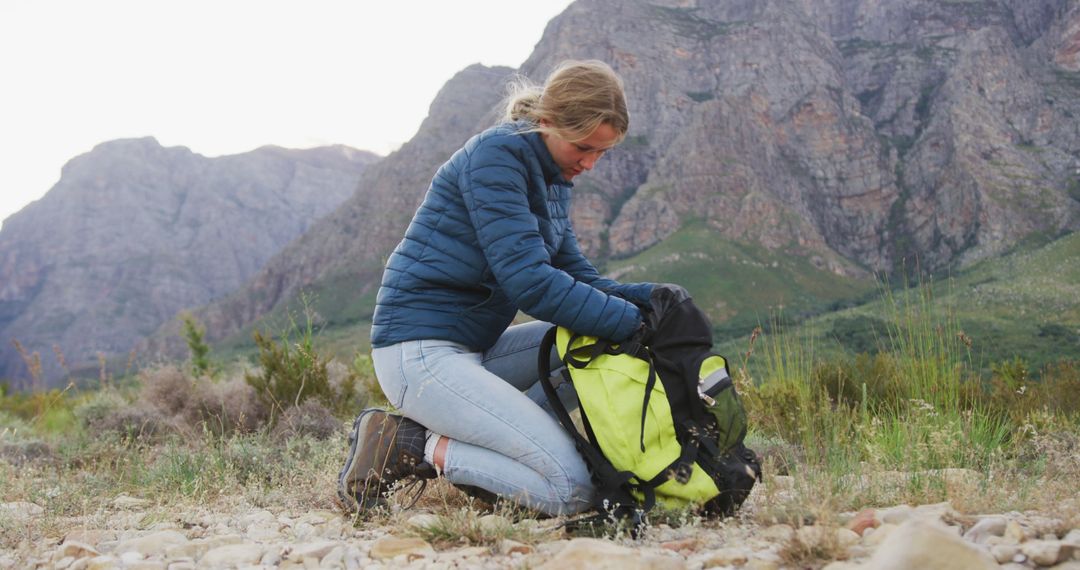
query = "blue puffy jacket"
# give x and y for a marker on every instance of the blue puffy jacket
(493, 236)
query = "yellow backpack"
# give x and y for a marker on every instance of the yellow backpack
(661, 422)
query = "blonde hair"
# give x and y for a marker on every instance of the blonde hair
(577, 97)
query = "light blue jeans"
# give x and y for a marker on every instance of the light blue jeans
(503, 437)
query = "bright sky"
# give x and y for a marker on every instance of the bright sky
(228, 76)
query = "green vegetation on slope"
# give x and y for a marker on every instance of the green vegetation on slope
(1023, 305)
(739, 285)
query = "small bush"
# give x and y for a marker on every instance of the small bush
(166, 389)
(227, 407)
(293, 371)
(200, 351)
(308, 419)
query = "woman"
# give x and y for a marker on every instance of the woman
(492, 237)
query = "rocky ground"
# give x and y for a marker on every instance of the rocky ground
(133, 534)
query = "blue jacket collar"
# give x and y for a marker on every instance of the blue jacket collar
(552, 172)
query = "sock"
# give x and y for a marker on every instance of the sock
(429, 446)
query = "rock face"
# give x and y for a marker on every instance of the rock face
(349, 246)
(135, 232)
(861, 133)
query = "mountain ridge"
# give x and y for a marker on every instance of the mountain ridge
(134, 232)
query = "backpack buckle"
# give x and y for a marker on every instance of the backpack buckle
(683, 471)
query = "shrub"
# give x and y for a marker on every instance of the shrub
(194, 404)
(228, 407)
(166, 389)
(308, 419)
(292, 371)
(200, 351)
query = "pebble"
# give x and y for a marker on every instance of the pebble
(152, 544)
(232, 555)
(986, 528)
(391, 547)
(508, 547)
(21, 510)
(594, 554)
(126, 502)
(725, 557)
(424, 520)
(494, 524)
(928, 545)
(315, 550)
(1004, 552)
(75, 550)
(930, 537)
(896, 515)
(1047, 552)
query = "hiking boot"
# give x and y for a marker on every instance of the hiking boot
(384, 448)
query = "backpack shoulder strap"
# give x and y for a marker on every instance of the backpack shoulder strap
(613, 494)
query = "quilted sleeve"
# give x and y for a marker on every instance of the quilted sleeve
(571, 260)
(495, 189)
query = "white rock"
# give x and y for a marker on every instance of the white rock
(1047, 552)
(462, 553)
(778, 533)
(1004, 552)
(896, 515)
(814, 536)
(761, 564)
(1014, 533)
(354, 560)
(271, 558)
(267, 530)
(256, 517)
(841, 565)
(145, 565)
(131, 557)
(985, 528)
(76, 550)
(152, 544)
(232, 555)
(928, 545)
(21, 510)
(62, 563)
(875, 536)
(424, 520)
(196, 548)
(335, 558)
(102, 563)
(593, 554)
(1073, 537)
(494, 524)
(313, 550)
(722, 557)
(126, 502)
(304, 531)
(846, 538)
(935, 511)
(390, 547)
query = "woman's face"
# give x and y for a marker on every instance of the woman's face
(577, 157)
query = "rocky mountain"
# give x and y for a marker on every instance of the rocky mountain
(345, 251)
(134, 232)
(859, 134)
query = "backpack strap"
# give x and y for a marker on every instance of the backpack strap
(613, 493)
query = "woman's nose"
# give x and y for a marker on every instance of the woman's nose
(588, 161)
